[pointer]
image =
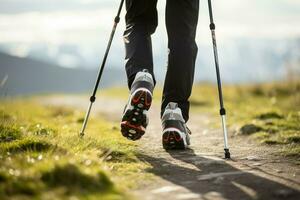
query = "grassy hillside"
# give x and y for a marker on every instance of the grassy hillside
(42, 157)
(269, 113)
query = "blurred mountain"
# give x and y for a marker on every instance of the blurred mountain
(250, 60)
(30, 76)
(242, 60)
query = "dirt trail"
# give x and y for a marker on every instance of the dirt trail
(255, 171)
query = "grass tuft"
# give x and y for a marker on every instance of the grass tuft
(25, 145)
(4, 116)
(272, 141)
(291, 151)
(72, 178)
(116, 156)
(269, 115)
(3, 177)
(22, 186)
(80, 120)
(249, 129)
(61, 111)
(9, 133)
(40, 129)
(293, 139)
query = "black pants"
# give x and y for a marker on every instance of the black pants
(181, 24)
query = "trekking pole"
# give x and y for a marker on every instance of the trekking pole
(222, 109)
(93, 97)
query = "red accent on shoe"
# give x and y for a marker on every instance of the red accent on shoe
(135, 100)
(167, 138)
(176, 136)
(132, 126)
(146, 100)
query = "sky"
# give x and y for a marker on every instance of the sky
(74, 33)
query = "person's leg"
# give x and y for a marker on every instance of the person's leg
(181, 23)
(141, 22)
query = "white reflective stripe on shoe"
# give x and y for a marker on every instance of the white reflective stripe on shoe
(141, 89)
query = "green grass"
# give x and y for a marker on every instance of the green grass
(42, 157)
(270, 113)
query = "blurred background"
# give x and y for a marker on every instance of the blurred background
(51, 46)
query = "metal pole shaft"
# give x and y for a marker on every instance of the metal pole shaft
(86, 119)
(93, 97)
(222, 109)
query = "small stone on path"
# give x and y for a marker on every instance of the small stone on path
(257, 164)
(188, 196)
(252, 158)
(219, 180)
(283, 193)
(165, 189)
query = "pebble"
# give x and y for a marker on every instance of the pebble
(165, 189)
(218, 180)
(257, 164)
(188, 196)
(252, 158)
(283, 193)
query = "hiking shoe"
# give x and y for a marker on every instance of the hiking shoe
(175, 132)
(135, 120)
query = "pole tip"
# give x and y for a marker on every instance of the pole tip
(227, 154)
(81, 134)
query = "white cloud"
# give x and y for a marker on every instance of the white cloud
(53, 26)
(234, 18)
(80, 23)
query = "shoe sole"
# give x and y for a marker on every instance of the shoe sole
(134, 120)
(173, 140)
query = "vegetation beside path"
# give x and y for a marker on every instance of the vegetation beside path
(42, 157)
(269, 113)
